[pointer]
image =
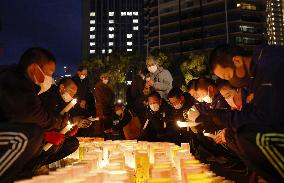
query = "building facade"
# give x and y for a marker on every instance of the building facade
(181, 26)
(112, 25)
(275, 19)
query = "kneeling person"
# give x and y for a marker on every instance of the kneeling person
(159, 124)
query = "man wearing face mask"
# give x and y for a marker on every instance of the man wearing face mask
(159, 124)
(160, 78)
(182, 102)
(259, 126)
(104, 103)
(235, 97)
(207, 98)
(125, 123)
(55, 100)
(85, 97)
(22, 116)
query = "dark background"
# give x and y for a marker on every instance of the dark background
(52, 24)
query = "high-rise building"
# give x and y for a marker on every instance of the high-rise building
(275, 19)
(111, 25)
(180, 26)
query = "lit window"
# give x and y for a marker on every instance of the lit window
(103, 51)
(129, 49)
(109, 50)
(238, 5)
(129, 35)
(111, 21)
(274, 42)
(92, 14)
(92, 36)
(111, 14)
(123, 13)
(135, 21)
(135, 13)
(92, 51)
(129, 43)
(110, 35)
(92, 21)
(92, 28)
(129, 13)
(111, 28)
(92, 43)
(110, 43)
(135, 28)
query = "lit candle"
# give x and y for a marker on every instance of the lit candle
(69, 106)
(208, 134)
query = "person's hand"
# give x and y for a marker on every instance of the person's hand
(81, 122)
(83, 104)
(108, 130)
(73, 131)
(220, 138)
(192, 114)
(54, 138)
(150, 82)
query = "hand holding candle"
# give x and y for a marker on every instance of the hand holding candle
(63, 131)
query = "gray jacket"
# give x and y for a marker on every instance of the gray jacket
(162, 81)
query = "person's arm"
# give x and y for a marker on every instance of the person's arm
(25, 106)
(166, 83)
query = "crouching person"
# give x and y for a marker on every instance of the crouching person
(23, 119)
(159, 125)
(126, 124)
(55, 100)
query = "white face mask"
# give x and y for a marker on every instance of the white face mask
(207, 98)
(46, 84)
(105, 81)
(231, 103)
(82, 77)
(155, 107)
(178, 106)
(66, 97)
(152, 68)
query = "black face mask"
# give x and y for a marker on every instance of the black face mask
(237, 82)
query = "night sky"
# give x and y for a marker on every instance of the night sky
(52, 24)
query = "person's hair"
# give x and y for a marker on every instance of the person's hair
(155, 94)
(81, 68)
(175, 92)
(222, 55)
(66, 81)
(35, 55)
(151, 58)
(104, 75)
(201, 83)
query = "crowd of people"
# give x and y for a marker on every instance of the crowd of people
(236, 122)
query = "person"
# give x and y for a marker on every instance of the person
(86, 103)
(137, 95)
(235, 97)
(160, 78)
(259, 125)
(181, 103)
(126, 125)
(207, 97)
(22, 116)
(104, 105)
(54, 101)
(159, 124)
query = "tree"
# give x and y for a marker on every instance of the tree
(195, 66)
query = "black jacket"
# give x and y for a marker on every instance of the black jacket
(161, 125)
(52, 100)
(20, 102)
(179, 113)
(264, 108)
